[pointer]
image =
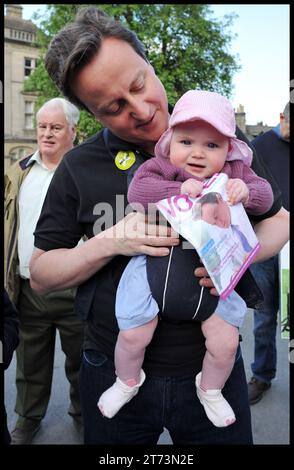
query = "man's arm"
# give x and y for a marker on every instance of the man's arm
(272, 233)
(63, 268)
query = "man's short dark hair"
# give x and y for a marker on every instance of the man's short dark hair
(77, 43)
(210, 198)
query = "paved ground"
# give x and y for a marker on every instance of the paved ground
(270, 417)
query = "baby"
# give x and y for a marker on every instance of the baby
(199, 142)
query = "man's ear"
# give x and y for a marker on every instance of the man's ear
(74, 131)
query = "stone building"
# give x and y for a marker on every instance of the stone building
(249, 130)
(21, 55)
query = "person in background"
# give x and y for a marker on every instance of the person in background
(26, 185)
(274, 149)
(10, 343)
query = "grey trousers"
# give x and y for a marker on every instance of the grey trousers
(40, 318)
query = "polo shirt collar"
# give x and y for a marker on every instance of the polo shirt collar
(36, 158)
(116, 144)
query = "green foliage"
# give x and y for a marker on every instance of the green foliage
(87, 126)
(40, 82)
(185, 45)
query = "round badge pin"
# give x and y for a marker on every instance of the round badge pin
(124, 160)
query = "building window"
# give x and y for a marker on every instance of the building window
(29, 115)
(23, 36)
(29, 66)
(17, 153)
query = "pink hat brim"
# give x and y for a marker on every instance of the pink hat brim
(239, 149)
(163, 145)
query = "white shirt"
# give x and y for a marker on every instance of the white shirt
(30, 201)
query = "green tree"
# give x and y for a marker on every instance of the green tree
(185, 44)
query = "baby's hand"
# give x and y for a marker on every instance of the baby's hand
(237, 191)
(192, 187)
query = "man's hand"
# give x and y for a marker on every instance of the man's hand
(68, 267)
(134, 236)
(237, 191)
(192, 187)
(205, 279)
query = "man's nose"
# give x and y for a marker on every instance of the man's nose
(48, 131)
(139, 110)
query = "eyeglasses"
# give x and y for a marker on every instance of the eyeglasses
(55, 129)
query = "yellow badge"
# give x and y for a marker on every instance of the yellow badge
(124, 160)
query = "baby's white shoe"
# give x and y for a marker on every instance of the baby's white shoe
(216, 406)
(115, 397)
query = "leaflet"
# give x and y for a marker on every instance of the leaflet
(221, 233)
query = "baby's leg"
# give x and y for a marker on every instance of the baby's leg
(130, 350)
(222, 340)
(221, 343)
(129, 357)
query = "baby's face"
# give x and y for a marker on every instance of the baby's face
(198, 148)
